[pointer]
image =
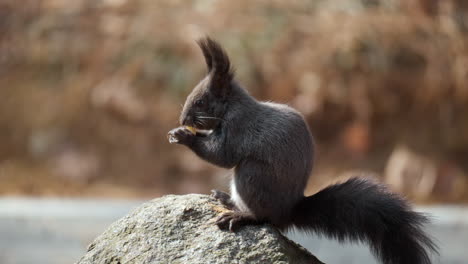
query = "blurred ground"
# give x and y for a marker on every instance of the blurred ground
(50, 231)
(89, 89)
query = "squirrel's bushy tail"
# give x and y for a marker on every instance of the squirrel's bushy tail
(361, 210)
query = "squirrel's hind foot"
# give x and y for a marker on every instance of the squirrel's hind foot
(232, 221)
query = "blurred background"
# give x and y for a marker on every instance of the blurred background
(89, 89)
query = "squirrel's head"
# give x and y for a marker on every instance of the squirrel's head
(207, 103)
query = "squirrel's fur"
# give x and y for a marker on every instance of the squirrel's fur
(271, 150)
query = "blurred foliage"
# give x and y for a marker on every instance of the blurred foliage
(90, 88)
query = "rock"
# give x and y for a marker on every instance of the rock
(181, 229)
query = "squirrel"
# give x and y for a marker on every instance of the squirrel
(271, 149)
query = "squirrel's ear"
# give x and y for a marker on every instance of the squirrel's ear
(219, 66)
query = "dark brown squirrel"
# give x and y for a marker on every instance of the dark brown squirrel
(271, 149)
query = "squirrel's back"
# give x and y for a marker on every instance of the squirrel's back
(287, 138)
(278, 135)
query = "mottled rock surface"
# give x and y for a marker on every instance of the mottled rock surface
(180, 229)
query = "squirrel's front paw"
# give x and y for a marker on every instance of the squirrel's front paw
(224, 198)
(180, 135)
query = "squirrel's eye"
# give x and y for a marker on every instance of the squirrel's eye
(199, 102)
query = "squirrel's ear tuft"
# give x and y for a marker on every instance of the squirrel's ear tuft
(217, 61)
(204, 46)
